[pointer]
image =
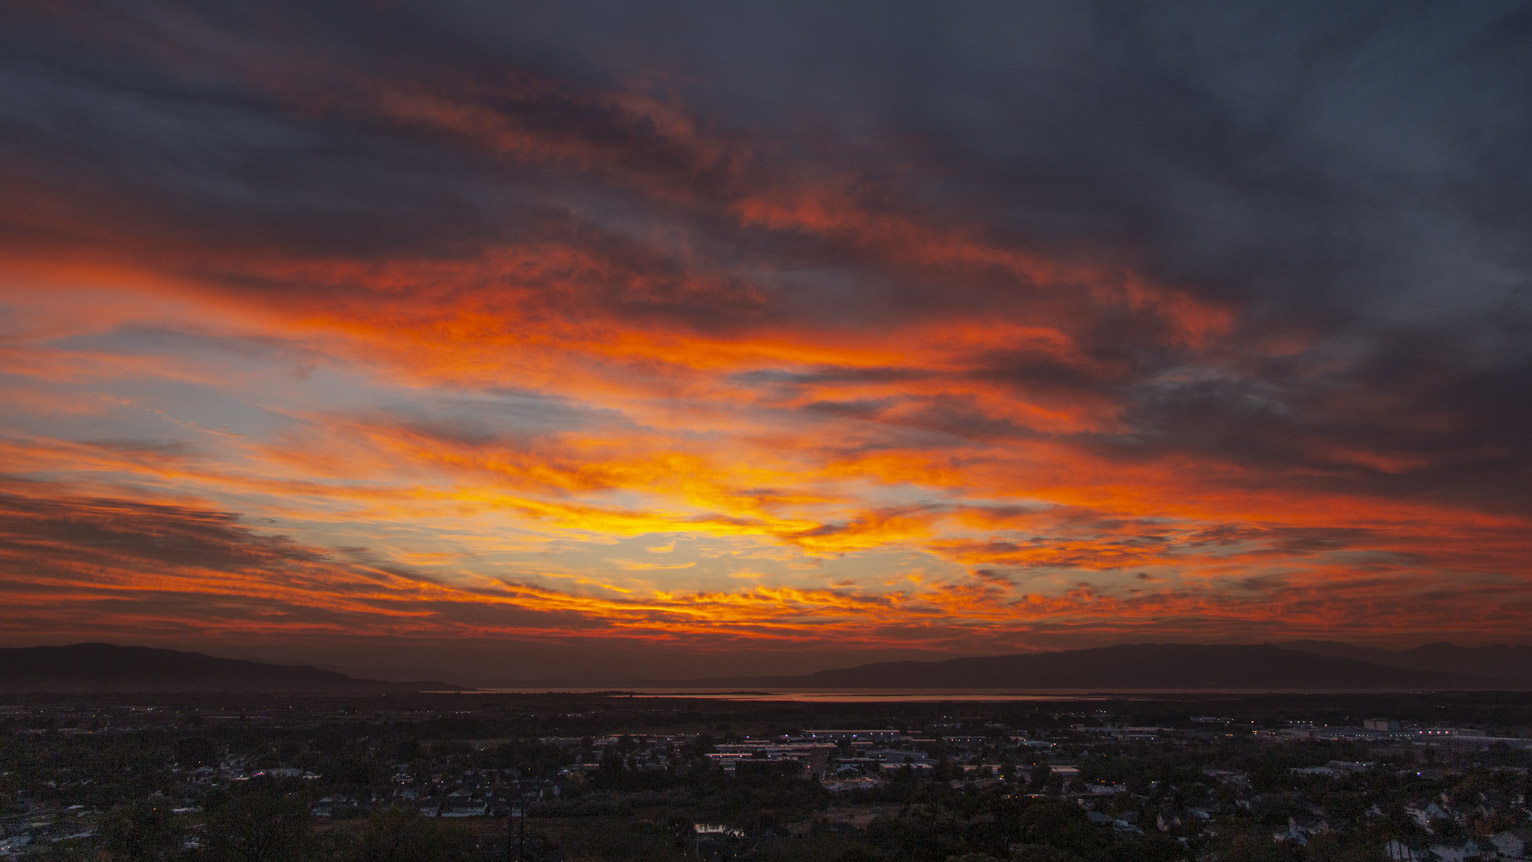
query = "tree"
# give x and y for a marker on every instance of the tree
(260, 826)
(140, 832)
(402, 835)
(1038, 777)
(614, 769)
(1253, 847)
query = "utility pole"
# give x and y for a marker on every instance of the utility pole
(518, 816)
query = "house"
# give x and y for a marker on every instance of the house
(716, 841)
(1455, 852)
(1398, 851)
(1425, 812)
(464, 808)
(1294, 835)
(1309, 824)
(1513, 845)
(14, 846)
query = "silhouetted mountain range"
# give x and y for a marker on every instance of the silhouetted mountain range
(99, 667)
(1288, 665)
(1136, 666)
(1500, 662)
(1296, 665)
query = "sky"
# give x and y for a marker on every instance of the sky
(689, 338)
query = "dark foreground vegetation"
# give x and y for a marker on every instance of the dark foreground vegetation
(589, 777)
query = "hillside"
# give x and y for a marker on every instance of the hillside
(99, 667)
(1132, 666)
(1512, 663)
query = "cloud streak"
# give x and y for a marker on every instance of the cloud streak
(424, 320)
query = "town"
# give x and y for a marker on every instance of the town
(609, 776)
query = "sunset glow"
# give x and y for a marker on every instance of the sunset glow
(568, 343)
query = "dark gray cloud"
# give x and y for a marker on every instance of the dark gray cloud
(1346, 177)
(48, 530)
(1308, 160)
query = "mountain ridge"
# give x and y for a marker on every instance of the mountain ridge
(1145, 666)
(1499, 660)
(1292, 665)
(103, 667)
(1141, 666)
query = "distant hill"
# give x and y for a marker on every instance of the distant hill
(1129, 667)
(1512, 663)
(99, 667)
(1299, 665)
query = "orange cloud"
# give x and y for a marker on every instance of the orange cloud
(806, 370)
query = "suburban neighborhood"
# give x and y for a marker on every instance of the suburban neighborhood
(613, 776)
